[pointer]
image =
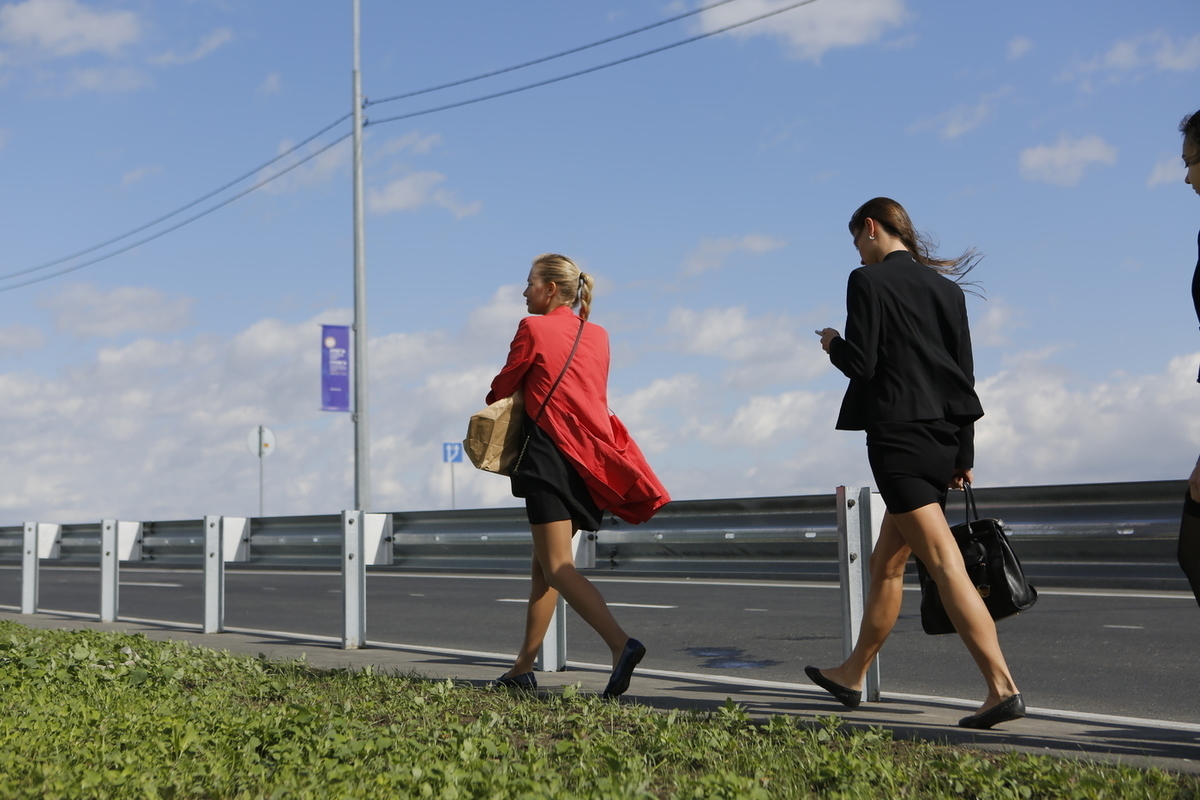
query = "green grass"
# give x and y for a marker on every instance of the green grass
(92, 715)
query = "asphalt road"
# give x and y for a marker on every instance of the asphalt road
(1124, 653)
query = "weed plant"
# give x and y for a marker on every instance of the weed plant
(96, 715)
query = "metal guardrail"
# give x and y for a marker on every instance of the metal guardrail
(1065, 535)
(1089, 528)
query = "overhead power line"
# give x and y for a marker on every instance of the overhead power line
(259, 184)
(177, 211)
(544, 59)
(178, 225)
(589, 70)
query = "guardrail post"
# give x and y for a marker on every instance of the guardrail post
(119, 541)
(859, 516)
(552, 657)
(354, 581)
(29, 569)
(109, 571)
(214, 575)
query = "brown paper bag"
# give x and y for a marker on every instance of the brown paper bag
(494, 435)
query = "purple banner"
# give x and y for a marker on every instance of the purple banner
(335, 368)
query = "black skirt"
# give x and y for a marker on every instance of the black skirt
(912, 462)
(551, 487)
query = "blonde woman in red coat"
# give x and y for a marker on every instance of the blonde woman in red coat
(579, 460)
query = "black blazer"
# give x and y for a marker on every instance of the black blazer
(907, 349)
(1196, 285)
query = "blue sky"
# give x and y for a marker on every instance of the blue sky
(706, 187)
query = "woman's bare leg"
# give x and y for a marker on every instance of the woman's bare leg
(925, 532)
(883, 605)
(1188, 550)
(554, 569)
(542, 601)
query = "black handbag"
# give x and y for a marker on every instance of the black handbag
(992, 566)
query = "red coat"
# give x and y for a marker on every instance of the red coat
(593, 440)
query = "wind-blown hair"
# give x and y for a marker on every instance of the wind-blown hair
(574, 285)
(892, 217)
(1190, 128)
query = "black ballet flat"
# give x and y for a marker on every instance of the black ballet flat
(1004, 711)
(631, 656)
(526, 681)
(850, 698)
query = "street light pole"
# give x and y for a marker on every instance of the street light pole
(362, 441)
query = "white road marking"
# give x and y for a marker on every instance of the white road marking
(755, 609)
(620, 605)
(1127, 627)
(765, 584)
(147, 583)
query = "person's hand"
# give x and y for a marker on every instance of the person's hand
(962, 476)
(1194, 483)
(827, 335)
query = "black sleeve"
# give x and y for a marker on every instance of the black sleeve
(856, 353)
(966, 447)
(966, 359)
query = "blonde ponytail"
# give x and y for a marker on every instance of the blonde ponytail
(574, 286)
(585, 295)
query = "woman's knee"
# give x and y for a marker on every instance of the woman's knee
(559, 574)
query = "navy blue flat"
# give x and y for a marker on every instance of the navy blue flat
(1004, 711)
(631, 656)
(526, 681)
(848, 697)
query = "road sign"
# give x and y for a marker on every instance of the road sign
(452, 453)
(261, 447)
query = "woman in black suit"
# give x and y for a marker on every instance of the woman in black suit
(907, 352)
(1189, 526)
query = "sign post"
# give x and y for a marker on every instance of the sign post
(260, 442)
(452, 453)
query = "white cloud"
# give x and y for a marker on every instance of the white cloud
(812, 30)
(17, 339)
(319, 170)
(1181, 56)
(107, 79)
(1018, 47)
(155, 428)
(1168, 170)
(413, 142)
(993, 326)
(416, 190)
(272, 84)
(85, 310)
(1153, 51)
(963, 118)
(67, 28)
(1064, 163)
(772, 348)
(711, 254)
(207, 45)
(1045, 426)
(135, 175)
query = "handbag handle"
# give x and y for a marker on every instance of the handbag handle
(970, 510)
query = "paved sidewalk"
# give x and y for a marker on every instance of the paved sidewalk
(1168, 745)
